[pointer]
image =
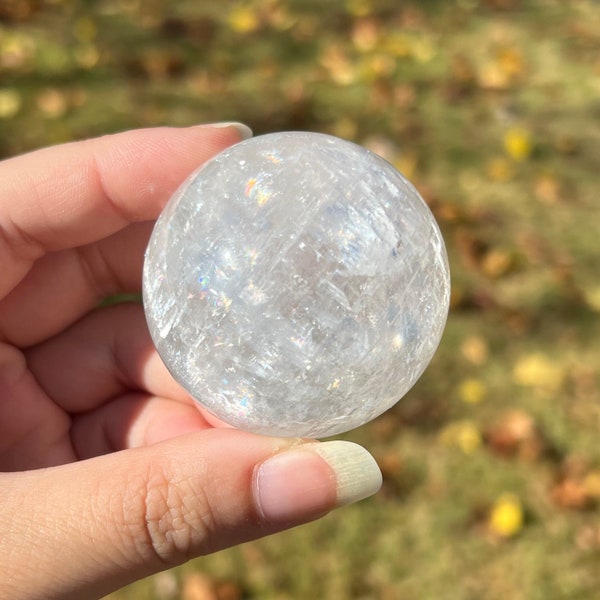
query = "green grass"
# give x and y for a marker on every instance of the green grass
(491, 108)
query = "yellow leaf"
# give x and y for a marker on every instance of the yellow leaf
(243, 19)
(359, 8)
(538, 371)
(496, 263)
(472, 391)
(378, 65)
(502, 70)
(475, 350)
(591, 484)
(10, 103)
(511, 62)
(345, 127)
(464, 435)
(506, 516)
(517, 143)
(406, 164)
(423, 50)
(398, 44)
(491, 76)
(341, 68)
(87, 56)
(17, 50)
(592, 297)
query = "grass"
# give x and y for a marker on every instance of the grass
(491, 462)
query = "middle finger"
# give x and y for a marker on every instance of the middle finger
(63, 286)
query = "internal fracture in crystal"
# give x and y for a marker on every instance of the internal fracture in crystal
(296, 285)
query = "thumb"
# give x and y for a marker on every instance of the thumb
(94, 526)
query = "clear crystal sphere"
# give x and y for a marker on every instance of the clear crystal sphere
(296, 285)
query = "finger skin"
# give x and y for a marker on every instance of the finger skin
(103, 355)
(133, 420)
(34, 431)
(63, 286)
(136, 512)
(76, 194)
(105, 373)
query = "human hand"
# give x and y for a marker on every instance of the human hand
(109, 470)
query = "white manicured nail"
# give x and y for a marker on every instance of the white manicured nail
(244, 131)
(357, 474)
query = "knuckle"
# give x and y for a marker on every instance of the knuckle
(173, 518)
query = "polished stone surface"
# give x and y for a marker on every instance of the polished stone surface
(296, 285)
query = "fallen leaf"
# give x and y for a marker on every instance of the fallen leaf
(499, 169)
(338, 64)
(10, 103)
(243, 19)
(166, 586)
(592, 297)
(475, 350)
(547, 189)
(515, 434)
(359, 8)
(472, 391)
(571, 493)
(591, 484)
(52, 103)
(577, 486)
(536, 370)
(365, 35)
(464, 435)
(506, 516)
(496, 262)
(197, 586)
(229, 590)
(518, 144)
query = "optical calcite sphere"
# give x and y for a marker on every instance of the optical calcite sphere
(296, 285)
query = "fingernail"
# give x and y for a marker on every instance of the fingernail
(357, 474)
(243, 130)
(310, 480)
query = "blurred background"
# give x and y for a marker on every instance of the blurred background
(492, 109)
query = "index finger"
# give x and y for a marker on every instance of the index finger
(78, 193)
